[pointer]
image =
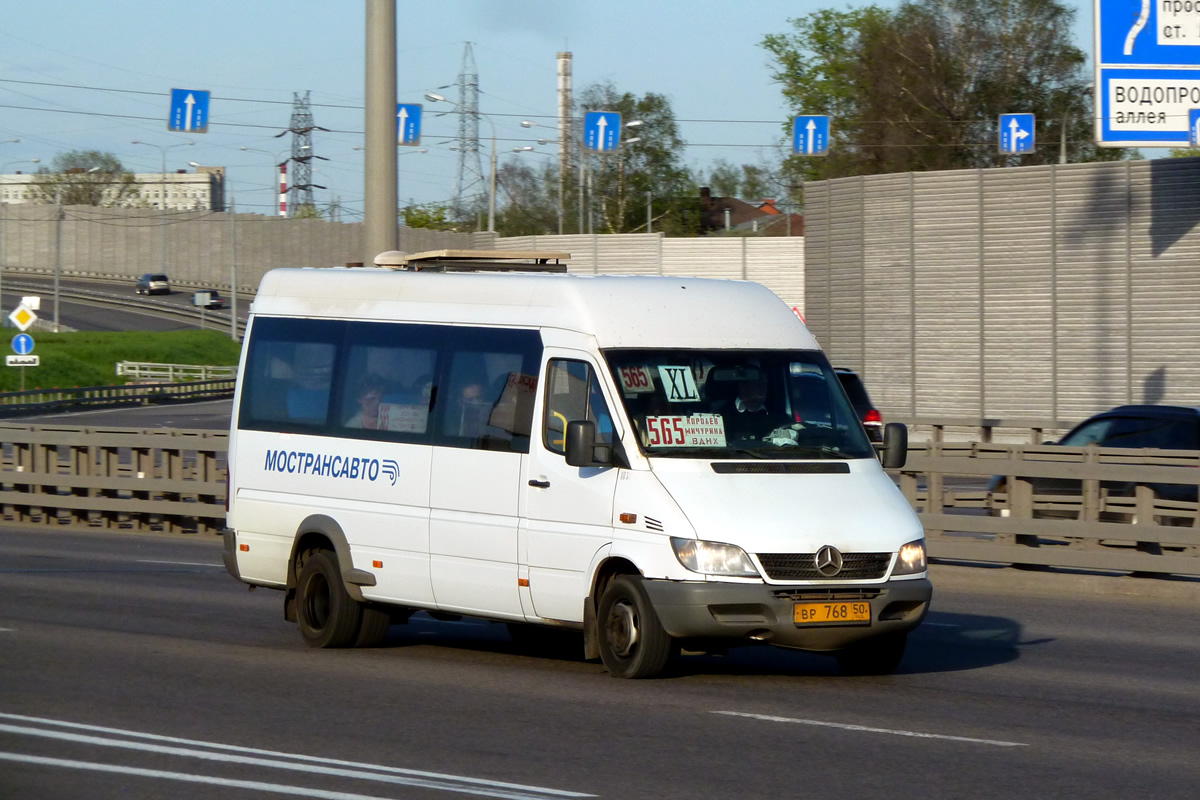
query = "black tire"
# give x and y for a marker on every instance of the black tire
(632, 641)
(327, 615)
(877, 656)
(374, 627)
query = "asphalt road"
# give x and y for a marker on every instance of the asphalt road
(99, 317)
(134, 666)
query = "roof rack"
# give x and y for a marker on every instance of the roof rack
(475, 261)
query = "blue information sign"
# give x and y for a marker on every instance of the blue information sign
(22, 344)
(1147, 71)
(408, 123)
(1194, 127)
(810, 135)
(1016, 134)
(189, 111)
(602, 131)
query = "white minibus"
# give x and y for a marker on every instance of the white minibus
(653, 462)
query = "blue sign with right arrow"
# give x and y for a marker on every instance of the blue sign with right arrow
(1016, 134)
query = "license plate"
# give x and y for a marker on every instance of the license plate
(832, 613)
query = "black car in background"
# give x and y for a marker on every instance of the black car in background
(1135, 426)
(872, 420)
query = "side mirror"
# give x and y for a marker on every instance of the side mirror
(581, 443)
(895, 445)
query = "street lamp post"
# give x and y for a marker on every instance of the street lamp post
(58, 218)
(162, 200)
(279, 159)
(562, 179)
(433, 97)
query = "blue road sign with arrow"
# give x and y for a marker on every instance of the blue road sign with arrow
(1194, 127)
(189, 111)
(810, 135)
(408, 123)
(1147, 71)
(602, 131)
(1016, 134)
(22, 344)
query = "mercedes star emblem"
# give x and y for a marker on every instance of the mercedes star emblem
(828, 561)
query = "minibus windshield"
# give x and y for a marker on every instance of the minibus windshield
(737, 404)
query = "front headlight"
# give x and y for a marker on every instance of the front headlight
(911, 559)
(713, 558)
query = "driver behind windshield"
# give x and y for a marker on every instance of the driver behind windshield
(749, 418)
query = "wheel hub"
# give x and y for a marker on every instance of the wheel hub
(622, 628)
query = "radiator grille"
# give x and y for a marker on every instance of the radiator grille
(802, 566)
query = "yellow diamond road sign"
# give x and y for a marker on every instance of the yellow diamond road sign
(23, 317)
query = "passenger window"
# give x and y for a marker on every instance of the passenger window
(490, 381)
(289, 374)
(573, 393)
(456, 386)
(389, 382)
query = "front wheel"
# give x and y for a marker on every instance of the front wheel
(633, 643)
(877, 656)
(327, 615)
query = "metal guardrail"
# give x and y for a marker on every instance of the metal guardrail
(41, 401)
(170, 373)
(113, 478)
(1094, 528)
(137, 303)
(174, 480)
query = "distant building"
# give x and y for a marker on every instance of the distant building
(729, 213)
(202, 190)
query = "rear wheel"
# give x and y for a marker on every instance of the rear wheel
(327, 615)
(877, 656)
(633, 643)
(374, 627)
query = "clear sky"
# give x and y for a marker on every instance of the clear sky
(94, 76)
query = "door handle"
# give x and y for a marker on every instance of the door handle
(539, 484)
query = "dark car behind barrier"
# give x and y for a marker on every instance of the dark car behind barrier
(1134, 426)
(872, 420)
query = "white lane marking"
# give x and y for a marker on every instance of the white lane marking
(8, 630)
(433, 780)
(940, 624)
(181, 563)
(865, 729)
(278, 788)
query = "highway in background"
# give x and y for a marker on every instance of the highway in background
(99, 315)
(134, 666)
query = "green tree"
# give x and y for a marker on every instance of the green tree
(526, 199)
(921, 87)
(433, 216)
(84, 178)
(646, 171)
(725, 179)
(307, 211)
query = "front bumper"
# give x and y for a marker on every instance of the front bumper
(764, 613)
